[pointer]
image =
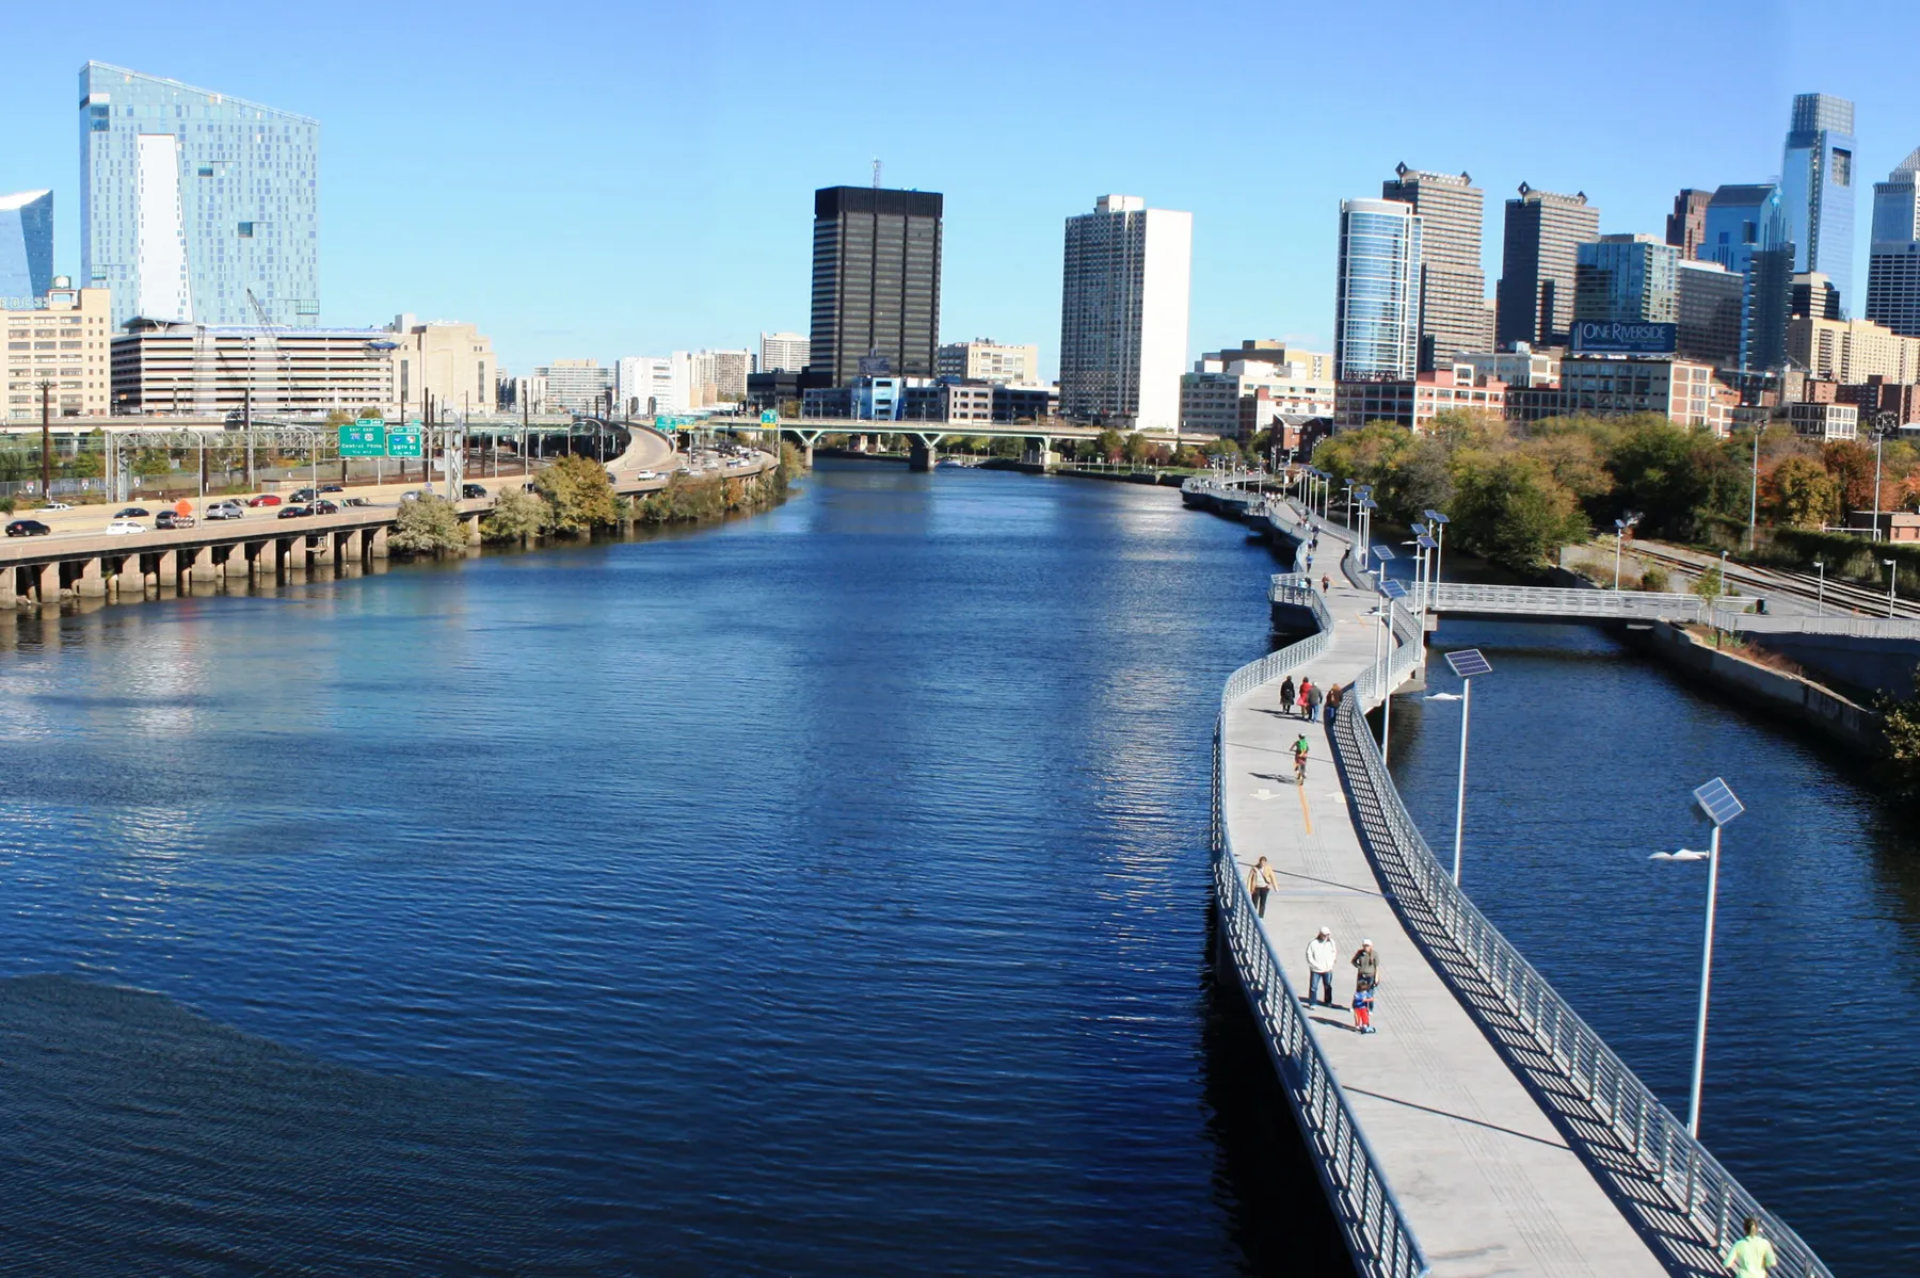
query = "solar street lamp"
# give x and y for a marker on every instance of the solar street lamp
(1367, 506)
(1893, 575)
(1392, 592)
(1820, 600)
(1466, 663)
(1438, 526)
(1717, 803)
(1381, 554)
(1620, 527)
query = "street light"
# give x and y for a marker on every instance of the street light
(1884, 424)
(1367, 507)
(1620, 527)
(1393, 592)
(1820, 606)
(1439, 522)
(1893, 575)
(1717, 803)
(1466, 663)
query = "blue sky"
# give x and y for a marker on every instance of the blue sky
(596, 180)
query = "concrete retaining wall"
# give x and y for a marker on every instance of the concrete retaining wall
(1791, 697)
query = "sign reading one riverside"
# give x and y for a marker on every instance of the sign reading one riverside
(1612, 337)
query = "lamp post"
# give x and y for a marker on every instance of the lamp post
(1753, 491)
(1820, 604)
(1466, 663)
(1717, 803)
(1439, 522)
(1367, 507)
(1391, 592)
(1620, 527)
(1884, 424)
(1349, 487)
(1893, 575)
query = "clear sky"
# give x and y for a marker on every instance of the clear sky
(590, 180)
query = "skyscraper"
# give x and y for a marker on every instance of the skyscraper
(1537, 261)
(190, 199)
(1687, 224)
(1747, 232)
(783, 352)
(26, 246)
(1893, 261)
(1629, 279)
(1376, 317)
(1453, 288)
(1123, 313)
(876, 280)
(1816, 189)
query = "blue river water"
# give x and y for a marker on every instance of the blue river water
(823, 893)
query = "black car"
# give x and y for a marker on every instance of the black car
(303, 494)
(323, 507)
(172, 519)
(331, 488)
(294, 512)
(473, 490)
(132, 512)
(27, 528)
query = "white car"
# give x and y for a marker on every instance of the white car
(120, 527)
(645, 474)
(226, 510)
(56, 505)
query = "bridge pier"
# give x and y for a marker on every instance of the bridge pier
(203, 571)
(46, 584)
(922, 457)
(92, 583)
(129, 582)
(377, 545)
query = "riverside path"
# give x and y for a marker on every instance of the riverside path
(1483, 1129)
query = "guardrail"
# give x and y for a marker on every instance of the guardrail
(1702, 1190)
(1375, 1227)
(1848, 626)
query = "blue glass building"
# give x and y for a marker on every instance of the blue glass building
(1376, 323)
(1816, 190)
(191, 199)
(1748, 232)
(26, 247)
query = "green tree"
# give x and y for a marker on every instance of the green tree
(1111, 444)
(1658, 470)
(1513, 512)
(152, 462)
(86, 465)
(517, 517)
(1710, 585)
(1421, 479)
(338, 417)
(1900, 743)
(1801, 493)
(1137, 448)
(579, 494)
(427, 525)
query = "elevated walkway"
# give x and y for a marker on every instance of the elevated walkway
(1484, 1129)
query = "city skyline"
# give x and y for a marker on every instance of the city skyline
(702, 248)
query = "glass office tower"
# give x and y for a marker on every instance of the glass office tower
(26, 246)
(1376, 322)
(191, 199)
(1747, 231)
(1816, 190)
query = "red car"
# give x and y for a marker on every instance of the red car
(264, 499)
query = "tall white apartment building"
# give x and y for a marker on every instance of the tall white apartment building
(576, 385)
(783, 352)
(1123, 313)
(648, 385)
(985, 360)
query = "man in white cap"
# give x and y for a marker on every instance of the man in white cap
(1321, 952)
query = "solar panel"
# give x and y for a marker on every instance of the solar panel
(1368, 503)
(1382, 553)
(1717, 802)
(1425, 542)
(1393, 590)
(1435, 516)
(1468, 662)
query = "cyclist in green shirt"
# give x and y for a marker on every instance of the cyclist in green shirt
(1752, 1256)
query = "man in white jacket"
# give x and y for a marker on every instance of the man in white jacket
(1321, 952)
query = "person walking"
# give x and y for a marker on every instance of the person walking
(1305, 696)
(1326, 583)
(1335, 695)
(1286, 697)
(1313, 703)
(1320, 954)
(1260, 881)
(1752, 1256)
(1366, 980)
(1300, 749)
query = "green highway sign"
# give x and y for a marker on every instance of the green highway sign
(403, 443)
(672, 423)
(769, 418)
(364, 439)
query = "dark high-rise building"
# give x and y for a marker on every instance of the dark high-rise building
(1453, 288)
(1712, 305)
(1815, 297)
(876, 281)
(1537, 265)
(1687, 224)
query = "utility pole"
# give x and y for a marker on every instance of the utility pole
(46, 442)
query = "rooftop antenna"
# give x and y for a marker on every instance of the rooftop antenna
(876, 172)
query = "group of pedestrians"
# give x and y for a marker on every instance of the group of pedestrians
(1321, 954)
(1305, 700)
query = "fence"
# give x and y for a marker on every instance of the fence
(1702, 1190)
(1370, 1217)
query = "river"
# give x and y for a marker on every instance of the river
(821, 893)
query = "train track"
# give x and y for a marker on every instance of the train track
(1839, 596)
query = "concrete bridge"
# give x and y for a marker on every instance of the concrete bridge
(1486, 1129)
(926, 436)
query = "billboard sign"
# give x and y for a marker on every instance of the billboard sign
(364, 439)
(1615, 337)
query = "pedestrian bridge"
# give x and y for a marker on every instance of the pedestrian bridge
(1486, 1129)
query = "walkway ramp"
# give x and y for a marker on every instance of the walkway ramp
(1484, 1130)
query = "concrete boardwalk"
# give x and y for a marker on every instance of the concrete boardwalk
(1486, 1180)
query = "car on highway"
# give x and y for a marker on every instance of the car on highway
(264, 499)
(323, 507)
(172, 519)
(294, 512)
(473, 490)
(415, 494)
(121, 527)
(27, 528)
(646, 474)
(226, 510)
(332, 488)
(357, 501)
(304, 494)
(56, 505)
(132, 512)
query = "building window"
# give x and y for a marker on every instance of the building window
(246, 230)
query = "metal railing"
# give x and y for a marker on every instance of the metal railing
(1849, 626)
(1701, 1189)
(1375, 1227)
(1451, 596)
